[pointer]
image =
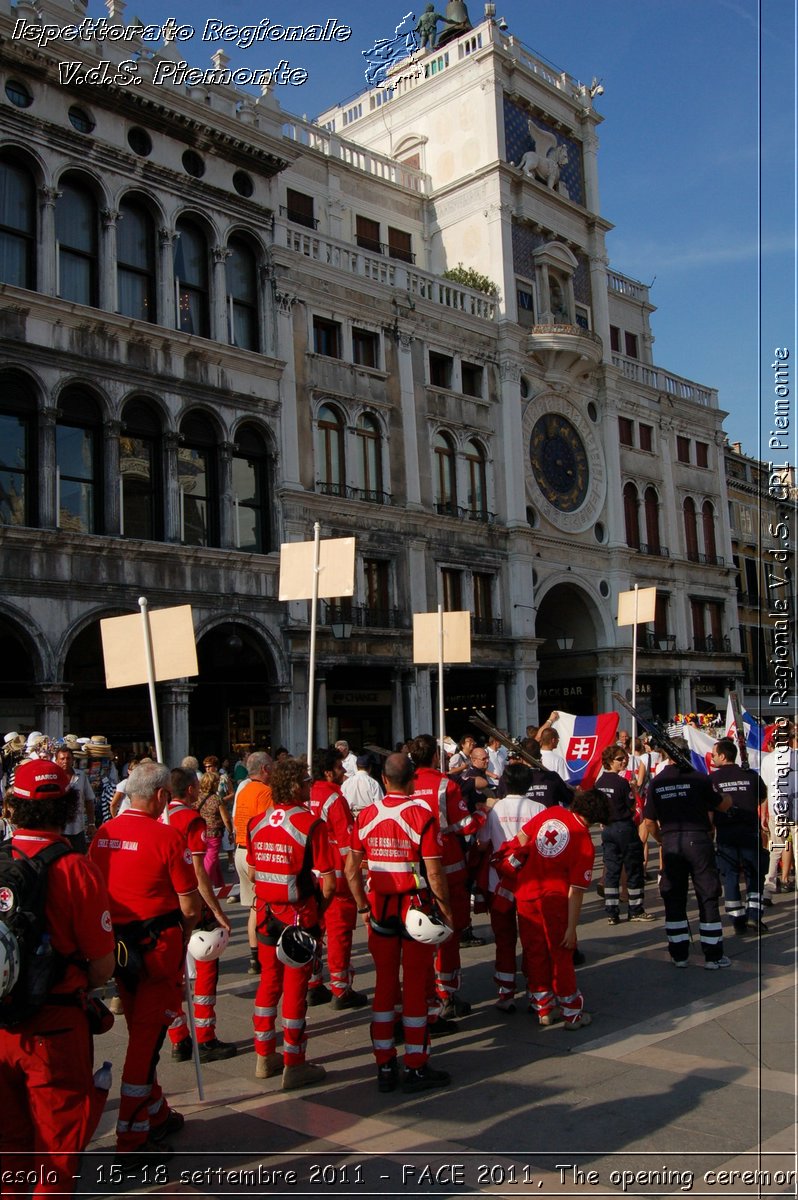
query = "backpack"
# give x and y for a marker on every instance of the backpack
(23, 933)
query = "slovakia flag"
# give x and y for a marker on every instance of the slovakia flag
(582, 740)
(754, 735)
(700, 745)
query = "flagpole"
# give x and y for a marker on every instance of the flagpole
(440, 687)
(634, 669)
(314, 604)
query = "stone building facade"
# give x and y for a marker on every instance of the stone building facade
(220, 324)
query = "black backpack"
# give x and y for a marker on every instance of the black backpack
(23, 892)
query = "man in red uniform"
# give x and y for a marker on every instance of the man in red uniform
(182, 813)
(401, 842)
(293, 872)
(47, 1096)
(553, 855)
(445, 800)
(328, 802)
(154, 906)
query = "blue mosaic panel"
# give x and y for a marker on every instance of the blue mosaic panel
(518, 140)
(582, 280)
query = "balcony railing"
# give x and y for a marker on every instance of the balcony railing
(299, 218)
(344, 492)
(657, 551)
(364, 616)
(397, 252)
(663, 642)
(663, 381)
(486, 626)
(712, 645)
(712, 560)
(445, 508)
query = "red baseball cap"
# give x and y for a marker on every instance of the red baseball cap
(40, 779)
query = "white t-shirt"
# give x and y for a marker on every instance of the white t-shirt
(553, 761)
(507, 816)
(361, 790)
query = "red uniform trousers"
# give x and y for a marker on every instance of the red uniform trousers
(149, 1011)
(447, 956)
(48, 1101)
(204, 1006)
(276, 979)
(403, 967)
(504, 924)
(340, 919)
(550, 967)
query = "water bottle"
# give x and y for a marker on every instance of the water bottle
(103, 1078)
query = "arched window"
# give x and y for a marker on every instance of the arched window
(141, 472)
(445, 485)
(330, 451)
(18, 457)
(78, 456)
(191, 279)
(251, 491)
(708, 526)
(77, 235)
(651, 505)
(198, 479)
(369, 457)
(690, 530)
(477, 480)
(17, 225)
(242, 295)
(630, 516)
(135, 259)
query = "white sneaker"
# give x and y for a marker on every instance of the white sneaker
(679, 962)
(718, 965)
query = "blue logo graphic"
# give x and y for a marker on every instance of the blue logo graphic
(387, 52)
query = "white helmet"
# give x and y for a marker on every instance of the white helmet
(296, 947)
(426, 927)
(205, 945)
(9, 960)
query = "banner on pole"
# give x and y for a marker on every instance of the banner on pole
(456, 637)
(646, 606)
(336, 569)
(173, 644)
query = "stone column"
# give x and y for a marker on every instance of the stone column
(501, 700)
(606, 702)
(108, 292)
(397, 709)
(616, 526)
(112, 478)
(599, 301)
(174, 700)
(514, 494)
(220, 328)
(672, 698)
(409, 707)
(47, 250)
(670, 529)
(320, 722)
(407, 392)
(48, 484)
(423, 722)
(48, 702)
(289, 433)
(171, 515)
(167, 308)
(228, 534)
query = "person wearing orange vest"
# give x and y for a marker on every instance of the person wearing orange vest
(400, 840)
(328, 802)
(293, 872)
(252, 797)
(155, 904)
(445, 800)
(183, 814)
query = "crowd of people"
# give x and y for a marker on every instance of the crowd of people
(409, 845)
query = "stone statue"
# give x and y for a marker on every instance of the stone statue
(545, 161)
(457, 22)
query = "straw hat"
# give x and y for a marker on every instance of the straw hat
(99, 746)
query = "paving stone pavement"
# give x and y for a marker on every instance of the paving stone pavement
(685, 1083)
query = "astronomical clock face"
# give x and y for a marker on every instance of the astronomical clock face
(566, 476)
(559, 461)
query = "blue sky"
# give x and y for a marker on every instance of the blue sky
(687, 85)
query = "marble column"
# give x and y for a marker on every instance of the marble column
(48, 484)
(228, 531)
(47, 249)
(108, 291)
(220, 325)
(174, 702)
(404, 343)
(49, 703)
(397, 709)
(289, 432)
(167, 306)
(112, 478)
(320, 719)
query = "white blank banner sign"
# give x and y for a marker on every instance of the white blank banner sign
(456, 637)
(173, 645)
(646, 606)
(336, 569)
